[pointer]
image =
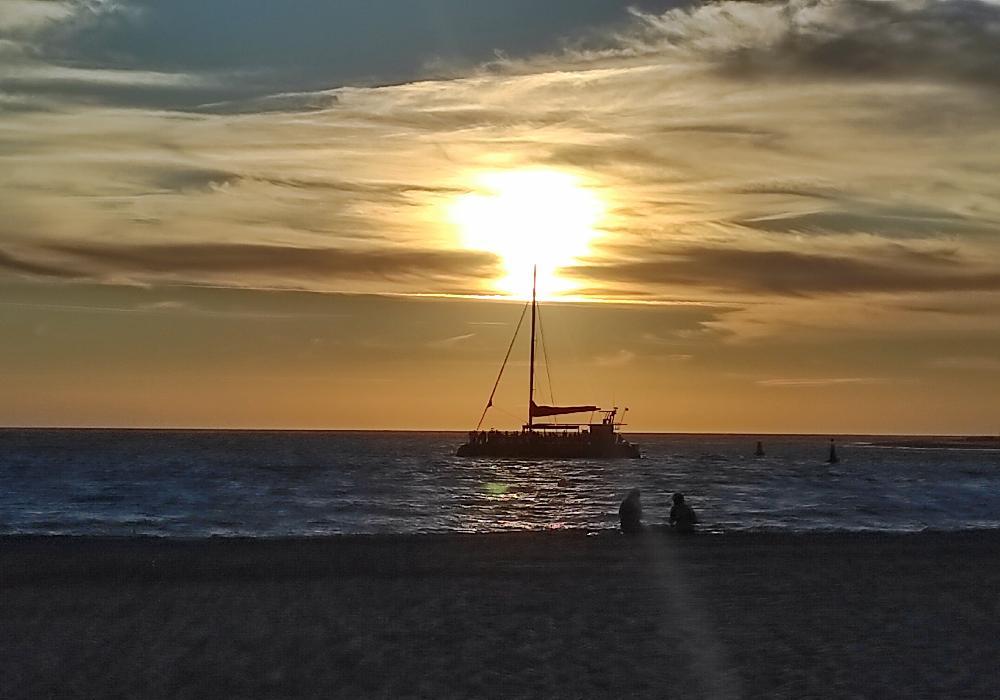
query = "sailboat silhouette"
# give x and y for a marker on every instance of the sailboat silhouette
(544, 439)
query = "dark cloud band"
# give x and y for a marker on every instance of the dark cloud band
(789, 273)
(92, 260)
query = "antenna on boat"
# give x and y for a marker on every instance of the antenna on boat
(531, 371)
(621, 421)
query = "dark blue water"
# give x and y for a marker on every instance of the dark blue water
(257, 483)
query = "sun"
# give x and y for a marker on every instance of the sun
(546, 218)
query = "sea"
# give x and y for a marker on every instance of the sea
(269, 484)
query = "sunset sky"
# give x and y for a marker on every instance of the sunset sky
(747, 216)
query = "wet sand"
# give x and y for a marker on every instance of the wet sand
(509, 615)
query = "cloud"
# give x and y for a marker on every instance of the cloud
(25, 16)
(281, 102)
(618, 358)
(793, 383)
(278, 264)
(450, 342)
(747, 192)
(34, 76)
(968, 363)
(794, 188)
(854, 217)
(887, 39)
(793, 273)
(41, 58)
(318, 46)
(183, 178)
(15, 263)
(388, 190)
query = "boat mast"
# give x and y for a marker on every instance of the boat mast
(531, 371)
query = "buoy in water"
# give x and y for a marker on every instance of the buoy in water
(832, 459)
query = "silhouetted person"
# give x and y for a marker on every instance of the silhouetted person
(682, 517)
(759, 452)
(630, 513)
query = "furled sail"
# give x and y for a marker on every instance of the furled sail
(540, 411)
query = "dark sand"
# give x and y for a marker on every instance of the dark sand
(519, 615)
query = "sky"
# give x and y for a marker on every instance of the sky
(758, 217)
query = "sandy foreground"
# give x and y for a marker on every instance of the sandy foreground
(512, 615)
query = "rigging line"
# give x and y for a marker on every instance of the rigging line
(545, 354)
(507, 413)
(502, 366)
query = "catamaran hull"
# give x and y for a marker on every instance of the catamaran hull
(538, 449)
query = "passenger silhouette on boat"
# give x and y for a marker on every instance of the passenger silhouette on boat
(630, 513)
(682, 516)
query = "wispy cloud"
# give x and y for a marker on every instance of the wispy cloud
(968, 363)
(32, 76)
(14, 263)
(822, 381)
(618, 358)
(787, 273)
(38, 61)
(24, 16)
(891, 39)
(267, 264)
(451, 341)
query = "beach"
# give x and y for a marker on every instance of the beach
(541, 614)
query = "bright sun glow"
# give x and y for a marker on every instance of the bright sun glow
(529, 217)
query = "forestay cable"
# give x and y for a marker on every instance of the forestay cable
(502, 366)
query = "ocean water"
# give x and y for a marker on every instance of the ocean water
(271, 484)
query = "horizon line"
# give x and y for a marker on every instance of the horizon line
(465, 430)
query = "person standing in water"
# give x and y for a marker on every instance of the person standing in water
(682, 516)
